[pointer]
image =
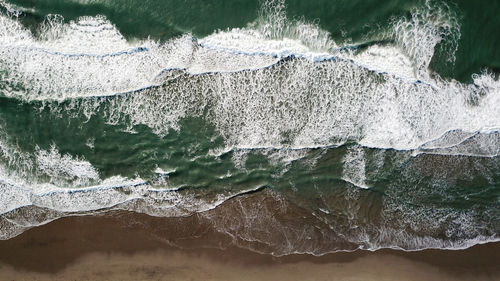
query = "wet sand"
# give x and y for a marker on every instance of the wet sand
(104, 248)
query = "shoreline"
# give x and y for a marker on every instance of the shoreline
(113, 247)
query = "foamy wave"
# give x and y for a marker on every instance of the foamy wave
(44, 167)
(259, 87)
(115, 193)
(429, 25)
(354, 167)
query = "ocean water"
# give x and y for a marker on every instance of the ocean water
(285, 126)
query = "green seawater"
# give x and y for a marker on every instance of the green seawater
(314, 135)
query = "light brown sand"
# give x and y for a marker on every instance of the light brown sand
(161, 265)
(98, 248)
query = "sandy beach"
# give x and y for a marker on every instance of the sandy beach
(104, 248)
(250, 140)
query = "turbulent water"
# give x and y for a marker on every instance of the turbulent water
(288, 127)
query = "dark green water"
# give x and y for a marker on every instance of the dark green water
(343, 124)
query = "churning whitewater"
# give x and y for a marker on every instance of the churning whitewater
(252, 112)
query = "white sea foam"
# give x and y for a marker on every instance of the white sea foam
(36, 189)
(386, 59)
(354, 167)
(44, 167)
(116, 193)
(55, 165)
(323, 97)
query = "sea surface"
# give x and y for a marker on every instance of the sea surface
(286, 126)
